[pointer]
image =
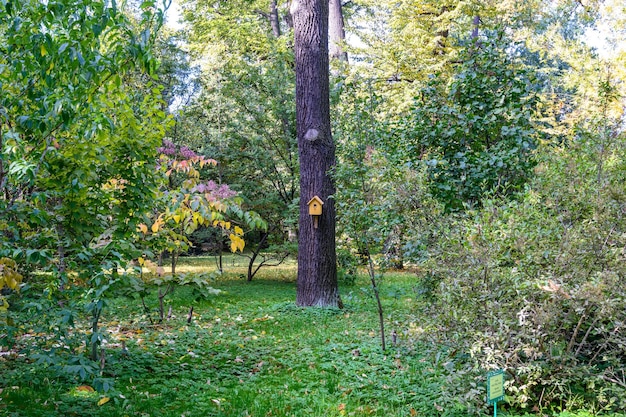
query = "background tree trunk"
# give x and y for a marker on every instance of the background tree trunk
(274, 20)
(317, 268)
(336, 31)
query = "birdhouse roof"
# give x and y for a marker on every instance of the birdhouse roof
(316, 199)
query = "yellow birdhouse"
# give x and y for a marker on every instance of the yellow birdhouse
(315, 209)
(315, 206)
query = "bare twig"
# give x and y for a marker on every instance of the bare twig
(582, 342)
(621, 381)
(570, 345)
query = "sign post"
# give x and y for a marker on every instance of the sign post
(495, 389)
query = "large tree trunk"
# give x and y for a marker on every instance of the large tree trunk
(336, 31)
(317, 268)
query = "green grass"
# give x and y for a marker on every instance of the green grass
(249, 351)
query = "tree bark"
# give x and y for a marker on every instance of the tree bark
(255, 253)
(317, 268)
(274, 21)
(336, 31)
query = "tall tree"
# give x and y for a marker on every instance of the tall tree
(317, 269)
(478, 132)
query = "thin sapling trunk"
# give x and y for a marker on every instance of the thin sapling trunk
(372, 273)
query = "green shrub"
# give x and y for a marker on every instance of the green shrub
(528, 288)
(347, 265)
(535, 286)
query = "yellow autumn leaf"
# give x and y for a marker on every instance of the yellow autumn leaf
(9, 276)
(236, 243)
(226, 225)
(156, 226)
(10, 281)
(4, 305)
(142, 228)
(44, 52)
(104, 400)
(141, 261)
(176, 218)
(238, 231)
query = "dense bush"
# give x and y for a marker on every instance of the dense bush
(537, 287)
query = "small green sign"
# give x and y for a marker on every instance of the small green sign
(495, 386)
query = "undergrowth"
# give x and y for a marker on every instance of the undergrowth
(248, 351)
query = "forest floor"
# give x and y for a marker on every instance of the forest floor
(249, 351)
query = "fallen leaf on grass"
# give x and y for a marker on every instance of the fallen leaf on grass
(104, 400)
(85, 388)
(366, 410)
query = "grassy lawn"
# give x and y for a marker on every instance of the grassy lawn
(248, 352)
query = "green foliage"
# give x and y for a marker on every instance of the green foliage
(244, 113)
(365, 212)
(56, 326)
(534, 285)
(77, 144)
(250, 349)
(146, 284)
(475, 134)
(547, 274)
(207, 240)
(186, 203)
(347, 266)
(408, 40)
